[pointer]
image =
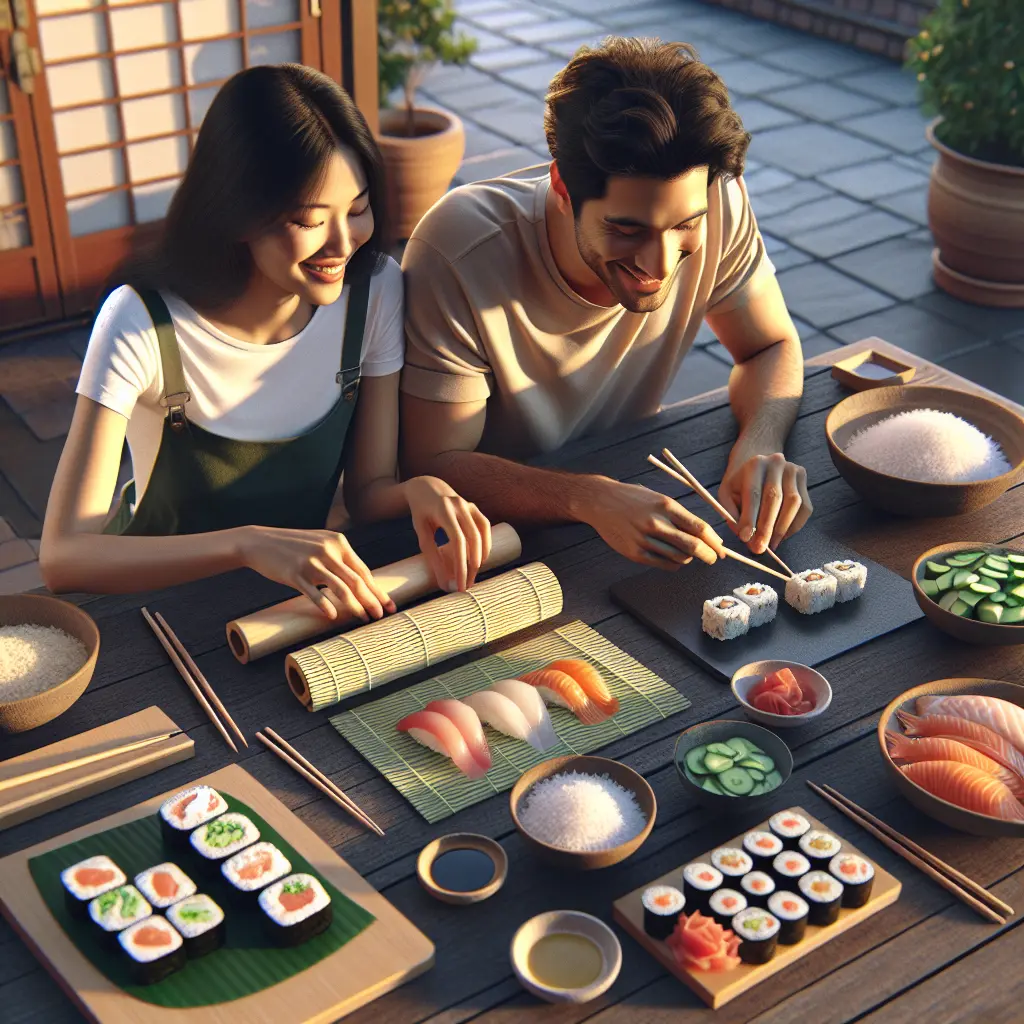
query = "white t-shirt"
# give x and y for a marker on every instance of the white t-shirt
(239, 390)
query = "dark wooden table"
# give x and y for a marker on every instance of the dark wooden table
(928, 957)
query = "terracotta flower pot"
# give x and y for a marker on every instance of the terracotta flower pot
(420, 167)
(976, 216)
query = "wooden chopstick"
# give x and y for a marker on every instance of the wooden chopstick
(197, 674)
(295, 760)
(79, 762)
(699, 488)
(946, 882)
(189, 681)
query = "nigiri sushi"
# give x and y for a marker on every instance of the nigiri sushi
(531, 703)
(502, 713)
(438, 732)
(943, 748)
(974, 735)
(591, 681)
(998, 715)
(467, 721)
(967, 787)
(563, 691)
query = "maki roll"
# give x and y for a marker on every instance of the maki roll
(758, 932)
(725, 904)
(857, 876)
(725, 618)
(731, 862)
(851, 578)
(757, 887)
(791, 910)
(763, 848)
(86, 880)
(222, 838)
(154, 948)
(789, 827)
(256, 866)
(824, 895)
(762, 601)
(811, 591)
(117, 909)
(165, 884)
(201, 924)
(789, 868)
(819, 848)
(184, 812)
(295, 909)
(662, 906)
(699, 882)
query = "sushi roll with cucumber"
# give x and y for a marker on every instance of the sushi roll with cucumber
(763, 848)
(725, 618)
(699, 882)
(117, 909)
(824, 895)
(757, 887)
(201, 924)
(662, 906)
(811, 591)
(725, 904)
(758, 932)
(762, 601)
(154, 948)
(295, 909)
(165, 884)
(86, 880)
(851, 578)
(223, 837)
(789, 867)
(731, 862)
(819, 848)
(183, 813)
(857, 876)
(789, 827)
(792, 911)
(255, 867)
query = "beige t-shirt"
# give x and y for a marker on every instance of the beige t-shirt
(490, 317)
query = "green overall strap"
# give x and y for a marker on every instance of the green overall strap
(175, 393)
(352, 347)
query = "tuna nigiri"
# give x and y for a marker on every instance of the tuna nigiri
(974, 735)
(591, 682)
(562, 690)
(998, 715)
(438, 732)
(467, 721)
(503, 714)
(531, 703)
(967, 787)
(943, 748)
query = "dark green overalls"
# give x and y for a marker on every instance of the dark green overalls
(203, 482)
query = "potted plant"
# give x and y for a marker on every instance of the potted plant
(969, 61)
(422, 146)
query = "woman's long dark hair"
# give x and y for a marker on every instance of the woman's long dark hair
(263, 146)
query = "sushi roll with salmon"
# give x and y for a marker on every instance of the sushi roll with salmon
(221, 838)
(662, 906)
(181, 814)
(762, 601)
(117, 909)
(851, 579)
(86, 880)
(165, 884)
(252, 869)
(699, 882)
(789, 827)
(819, 848)
(811, 591)
(792, 911)
(824, 895)
(563, 691)
(733, 863)
(436, 730)
(725, 618)
(295, 909)
(725, 904)
(154, 948)
(857, 876)
(757, 887)
(789, 867)
(758, 932)
(763, 848)
(200, 921)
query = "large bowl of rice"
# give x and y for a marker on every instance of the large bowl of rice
(48, 651)
(920, 450)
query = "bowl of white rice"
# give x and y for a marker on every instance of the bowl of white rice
(48, 650)
(926, 451)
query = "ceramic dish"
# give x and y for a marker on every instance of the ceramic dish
(942, 810)
(462, 841)
(853, 373)
(745, 678)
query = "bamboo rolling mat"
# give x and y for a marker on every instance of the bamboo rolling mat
(432, 783)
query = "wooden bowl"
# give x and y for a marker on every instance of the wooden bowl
(914, 497)
(585, 860)
(745, 678)
(941, 810)
(971, 631)
(718, 732)
(39, 610)
(560, 922)
(462, 841)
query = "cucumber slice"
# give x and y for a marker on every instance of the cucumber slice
(716, 763)
(935, 569)
(712, 786)
(1017, 591)
(695, 760)
(1015, 559)
(756, 774)
(989, 611)
(964, 578)
(1012, 602)
(958, 607)
(998, 597)
(948, 599)
(929, 588)
(773, 781)
(762, 762)
(1013, 616)
(945, 582)
(736, 781)
(996, 561)
(753, 748)
(969, 597)
(983, 587)
(757, 790)
(993, 574)
(722, 748)
(962, 559)
(739, 745)
(970, 556)
(1017, 574)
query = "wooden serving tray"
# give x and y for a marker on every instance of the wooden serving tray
(718, 989)
(388, 953)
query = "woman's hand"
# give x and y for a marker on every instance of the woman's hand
(433, 505)
(312, 559)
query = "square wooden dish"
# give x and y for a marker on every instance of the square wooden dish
(845, 371)
(718, 989)
(387, 954)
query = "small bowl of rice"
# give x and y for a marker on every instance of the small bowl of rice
(48, 651)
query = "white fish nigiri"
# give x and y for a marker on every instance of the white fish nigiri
(998, 715)
(532, 705)
(502, 713)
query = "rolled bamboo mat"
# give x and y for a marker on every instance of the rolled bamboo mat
(290, 622)
(328, 672)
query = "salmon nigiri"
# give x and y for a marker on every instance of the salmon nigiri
(591, 681)
(561, 689)
(974, 735)
(943, 748)
(467, 721)
(967, 787)
(998, 715)
(437, 732)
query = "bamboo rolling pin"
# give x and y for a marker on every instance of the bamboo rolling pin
(290, 622)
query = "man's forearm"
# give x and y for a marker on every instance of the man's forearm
(765, 393)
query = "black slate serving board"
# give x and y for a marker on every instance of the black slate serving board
(671, 603)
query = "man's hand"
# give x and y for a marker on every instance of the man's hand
(768, 496)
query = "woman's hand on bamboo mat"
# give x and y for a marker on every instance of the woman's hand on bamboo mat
(433, 505)
(320, 564)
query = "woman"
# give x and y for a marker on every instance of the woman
(232, 361)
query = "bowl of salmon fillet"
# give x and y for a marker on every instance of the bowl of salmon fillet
(955, 749)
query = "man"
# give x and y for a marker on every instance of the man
(539, 311)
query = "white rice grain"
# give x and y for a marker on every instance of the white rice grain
(34, 659)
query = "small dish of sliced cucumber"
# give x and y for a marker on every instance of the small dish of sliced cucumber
(985, 585)
(736, 767)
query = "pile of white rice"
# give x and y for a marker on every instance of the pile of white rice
(34, 659)
(929, 446)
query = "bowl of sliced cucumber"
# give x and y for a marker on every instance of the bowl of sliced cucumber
(973, 591)
(732, 765)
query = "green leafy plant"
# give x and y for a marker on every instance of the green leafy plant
(969, 61)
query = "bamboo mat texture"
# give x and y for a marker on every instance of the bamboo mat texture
(432, 783)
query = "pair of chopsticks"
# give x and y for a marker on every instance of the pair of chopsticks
(963, 888)
(194, 678)
(684, 476)
(291, 757)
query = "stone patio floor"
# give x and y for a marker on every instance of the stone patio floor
(838, 175)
